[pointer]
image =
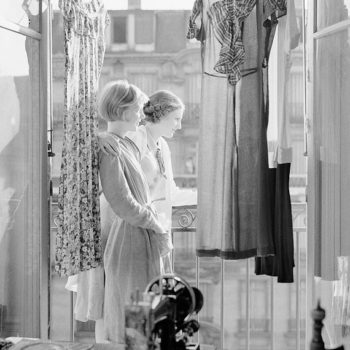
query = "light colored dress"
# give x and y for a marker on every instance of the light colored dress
(233, 220)
(161, 184)
(132, 246)
(132, 255)
(89, 285)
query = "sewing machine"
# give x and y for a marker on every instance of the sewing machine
(164, 320)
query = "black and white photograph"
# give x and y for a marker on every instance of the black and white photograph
(175, 174)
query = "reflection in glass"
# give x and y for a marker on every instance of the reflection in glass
(235, 301)
(210, 315)
(184, 255)
(19, 185)
(332, 144)
(331, 12)
(22, 12)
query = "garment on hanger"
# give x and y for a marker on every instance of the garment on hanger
(280, 150)
(281, 264)
(78, 241)
(233, 213)
(226, 17)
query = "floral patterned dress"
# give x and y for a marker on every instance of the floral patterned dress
(78, 240)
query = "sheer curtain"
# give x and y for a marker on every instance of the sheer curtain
(331, 129)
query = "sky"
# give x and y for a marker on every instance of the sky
(152, 4)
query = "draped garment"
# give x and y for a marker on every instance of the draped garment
(78, 240)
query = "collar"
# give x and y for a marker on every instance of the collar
(151, 142)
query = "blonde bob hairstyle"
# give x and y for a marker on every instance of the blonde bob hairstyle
(116, 97)
(160, 104)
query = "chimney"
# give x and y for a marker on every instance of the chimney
(134, 4)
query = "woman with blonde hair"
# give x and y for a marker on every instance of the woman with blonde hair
(133, 237)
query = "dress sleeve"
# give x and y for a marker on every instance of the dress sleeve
(120, 198)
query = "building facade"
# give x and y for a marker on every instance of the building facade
(150, 49)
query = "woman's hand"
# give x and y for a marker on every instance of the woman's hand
(165, 243)
(108, 144)
(164, 222)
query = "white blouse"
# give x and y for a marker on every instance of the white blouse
(162, 186)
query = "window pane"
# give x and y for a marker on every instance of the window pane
(20, 187)
(332, 11)
(147, 82)
(332, 144)
(210, 315)
(24, 13)
(144, 28)
(119, 30)
(170, 31)
(235, 301)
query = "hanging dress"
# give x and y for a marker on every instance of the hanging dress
(78, 240)
(282, 263)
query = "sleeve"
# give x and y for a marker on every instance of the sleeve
(108, 144)
(194, 29)
(120, 198)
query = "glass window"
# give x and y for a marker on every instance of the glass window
(20, 185)
(331, 12)
(332, 144)
(119, 30)
(144, 28)
(24, 13)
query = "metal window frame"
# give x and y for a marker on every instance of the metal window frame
(17, 28)
(312, 35)
(43, 35)
(46, 81)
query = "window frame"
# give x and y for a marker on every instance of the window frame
(313, 34)
(120, 46)
(43, 36)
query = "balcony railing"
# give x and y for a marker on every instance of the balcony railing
(241, 310)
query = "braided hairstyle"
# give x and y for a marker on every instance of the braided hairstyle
(160, 104)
